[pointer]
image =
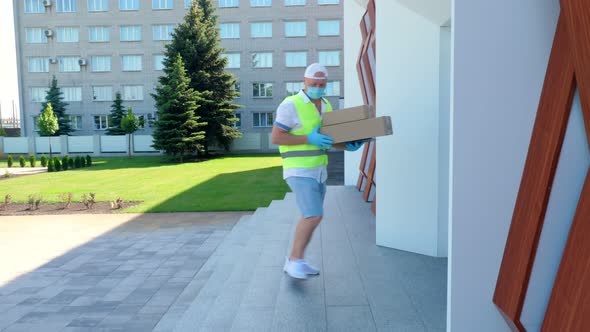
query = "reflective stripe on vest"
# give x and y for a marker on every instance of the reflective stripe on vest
(304, 155)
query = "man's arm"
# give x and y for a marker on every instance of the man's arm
(282, 137)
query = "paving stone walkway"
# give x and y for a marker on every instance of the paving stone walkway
(102, 272)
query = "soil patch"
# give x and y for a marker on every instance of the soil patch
(22, 209)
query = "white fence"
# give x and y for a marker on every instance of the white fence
(99, 145)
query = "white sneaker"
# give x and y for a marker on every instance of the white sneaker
(310, 269)
(295, 269)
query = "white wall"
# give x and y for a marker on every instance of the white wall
(444, 123)
(78, 144)
(408, 51)
(501, 50)
(353, 12)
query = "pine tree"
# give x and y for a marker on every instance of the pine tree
(197, 41)
(117, 113)
(177, 129)
(55, 97)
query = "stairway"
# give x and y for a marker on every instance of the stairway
(242, 286)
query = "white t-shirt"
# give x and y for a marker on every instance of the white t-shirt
(288, 119)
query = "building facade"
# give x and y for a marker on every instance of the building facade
(96, 48)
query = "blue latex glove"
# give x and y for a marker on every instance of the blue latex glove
(354, 145)
(321, 141)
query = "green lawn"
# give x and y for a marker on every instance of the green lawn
(232, 183)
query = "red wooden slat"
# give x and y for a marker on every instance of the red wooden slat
(544, 150)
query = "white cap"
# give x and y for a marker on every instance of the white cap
(316, 71)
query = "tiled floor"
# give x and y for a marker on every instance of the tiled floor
(176, 273)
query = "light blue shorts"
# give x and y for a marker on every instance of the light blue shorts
(309, 194)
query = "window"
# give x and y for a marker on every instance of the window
(36, 123)
(261, 30)
(263, 119)
(38, 94)
(262, 90)
(131, 33)
(101, 122)
(100, 63)
(329, 58)
(34, 6)
(295, 29)
(69, 64)
(262, 60)
(162, 4)
(158, 62)
(294, 2)
(238, 124)
(38, 65)
(233, 60)
(35, 35)
(68, 34)
(328, 2)
(296, 59)
(128, 4)
(102, 93)
(187, 4)
(98, 5)
(237, 88)
(163, 31)
(333, 89)
(132, 92)
(75, 121)
(228, 3)
(260, 3)
(329, 28)
(99, 34)
(66, 6)
(229, 30)
(293, 88)
(72, 93)
(131, 62)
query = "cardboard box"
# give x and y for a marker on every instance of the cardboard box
(358, 130)
(348, 115)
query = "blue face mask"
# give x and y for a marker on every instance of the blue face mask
(315, 93)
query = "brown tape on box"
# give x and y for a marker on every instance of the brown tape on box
(348, 115)
(358, 130)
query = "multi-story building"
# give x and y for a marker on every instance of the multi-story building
(96, 48)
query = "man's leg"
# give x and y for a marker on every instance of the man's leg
(303, 235)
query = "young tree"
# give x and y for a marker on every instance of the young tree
(177, 128)
(48, 124)
(197, 41)
(129, 124)
(117, 113)
(55, 97)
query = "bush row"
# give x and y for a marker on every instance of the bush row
(65, 162)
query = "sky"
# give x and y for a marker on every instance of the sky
(8, 79)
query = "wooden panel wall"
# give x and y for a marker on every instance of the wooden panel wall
(569, 305)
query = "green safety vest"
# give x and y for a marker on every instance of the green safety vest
(304, 155)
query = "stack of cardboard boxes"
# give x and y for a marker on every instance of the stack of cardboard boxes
(354, 124)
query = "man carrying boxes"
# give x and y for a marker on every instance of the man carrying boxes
(303, 149)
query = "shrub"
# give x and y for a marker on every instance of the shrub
(57, 164)
(65, 162)
(71, 163)
(78, 162)
(88, 161)
(88, 200)
(66, 199)
(32, 160)
(22, 161)
(35, 201)
(50, 166)
(10, 161)
(117, 204)
(7, 201)
(43, 160)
